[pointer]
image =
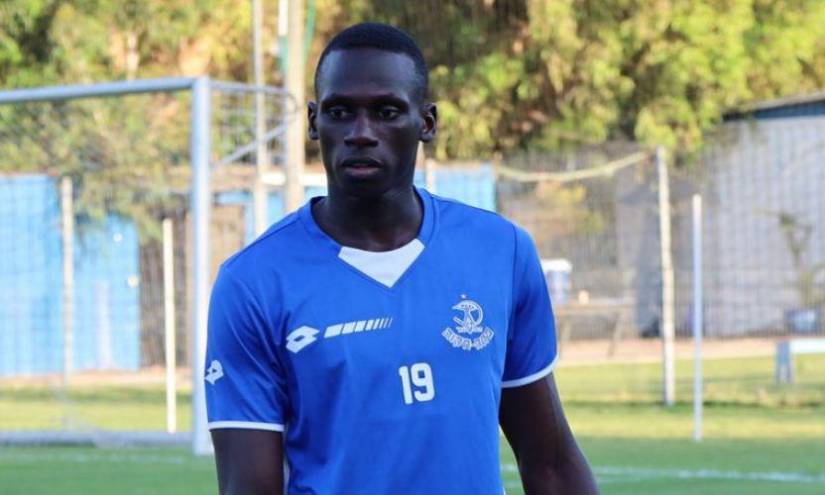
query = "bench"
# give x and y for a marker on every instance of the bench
(785, 351)
(619, 310)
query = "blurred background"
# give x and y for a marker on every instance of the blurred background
(667, 156)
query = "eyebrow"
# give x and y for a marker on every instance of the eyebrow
(383, 97)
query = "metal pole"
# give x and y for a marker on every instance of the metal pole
(667, 327)
(67, 207)
(294, 162)
(426, 166)
(698, 317)
(51, 93)
(104, 327)
(283, 28)
(429, 175)
(169, 324)
(201, 202)
(259, 193)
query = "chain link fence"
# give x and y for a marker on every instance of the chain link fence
(85, 312)
(614, 229)
(97, 248)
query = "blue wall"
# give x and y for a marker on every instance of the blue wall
(107, 304)
(107, 271)
(475, 186)
(107, 296)
(30, 276)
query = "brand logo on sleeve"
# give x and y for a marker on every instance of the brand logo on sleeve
(303, 336)
(468, 333)
(214, 372)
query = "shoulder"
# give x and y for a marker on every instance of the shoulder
(454, 213)
(474, 221)
(268, 254)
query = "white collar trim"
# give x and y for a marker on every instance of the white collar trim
(385, 267)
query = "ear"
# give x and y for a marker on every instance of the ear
(312, 114)
(429, 113)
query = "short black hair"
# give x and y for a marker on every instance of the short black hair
(381, 37)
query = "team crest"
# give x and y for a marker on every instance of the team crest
(468, 333)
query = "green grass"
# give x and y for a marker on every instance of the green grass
(622, 465)
(114, 407)
(626, 466)
(87, 471)
(753, 428)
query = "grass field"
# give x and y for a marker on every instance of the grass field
(759, 438)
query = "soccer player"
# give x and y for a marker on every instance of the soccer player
(373, 341)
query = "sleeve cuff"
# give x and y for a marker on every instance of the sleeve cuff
(245, 425)
(532, 377)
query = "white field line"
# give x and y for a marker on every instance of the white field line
(12, 456)
(606, 474)
(615, 474)
(687, 474)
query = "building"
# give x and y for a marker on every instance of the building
(764, 190)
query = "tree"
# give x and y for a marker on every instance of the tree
(542, 74)
(509, 75)
(123, 158)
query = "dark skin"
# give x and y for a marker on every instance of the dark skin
(369, 123)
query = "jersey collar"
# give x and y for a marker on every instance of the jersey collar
(386, 267)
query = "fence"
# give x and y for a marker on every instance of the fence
(119, 201)
(97, 184)
(616, 232)
(92, 294)
(600, 211)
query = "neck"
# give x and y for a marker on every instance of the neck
(378, 223)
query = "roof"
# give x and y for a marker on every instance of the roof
(790, 106)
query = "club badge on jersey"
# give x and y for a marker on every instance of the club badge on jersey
(468, 325)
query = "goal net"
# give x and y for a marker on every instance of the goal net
(119, 201)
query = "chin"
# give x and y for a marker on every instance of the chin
(362, 188)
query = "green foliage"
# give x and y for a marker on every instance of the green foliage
(121, 159)
(542, 74)
(126, 155)
(25, 44)
(90, 40)
(508, 74)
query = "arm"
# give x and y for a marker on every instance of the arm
(549, 460)
(246, 393)
(249, 462)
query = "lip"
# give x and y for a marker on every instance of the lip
(361, 163)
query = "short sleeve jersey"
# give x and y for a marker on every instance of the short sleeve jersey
(383, 370)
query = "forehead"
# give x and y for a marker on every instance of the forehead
(362, 71)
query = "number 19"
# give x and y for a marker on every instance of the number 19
(421, 377)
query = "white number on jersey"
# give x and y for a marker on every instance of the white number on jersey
(421, 377)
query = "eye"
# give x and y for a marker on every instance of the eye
(338, 112)
(388, 113)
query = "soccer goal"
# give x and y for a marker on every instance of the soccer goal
(119, 200)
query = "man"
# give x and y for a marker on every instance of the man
(375, 339)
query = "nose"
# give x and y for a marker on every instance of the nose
(361, 134)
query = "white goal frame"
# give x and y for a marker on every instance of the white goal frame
(200, 148)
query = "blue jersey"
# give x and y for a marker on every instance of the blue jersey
(383, 370)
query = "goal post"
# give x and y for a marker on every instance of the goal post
(45, 133)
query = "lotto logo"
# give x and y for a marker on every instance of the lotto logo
(214, 372)
(302, 336)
